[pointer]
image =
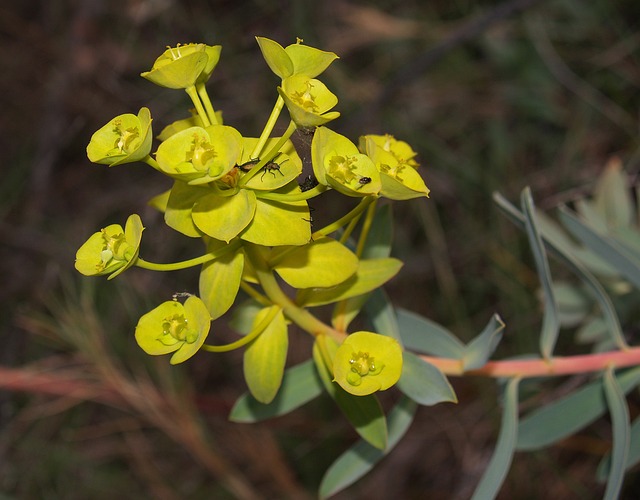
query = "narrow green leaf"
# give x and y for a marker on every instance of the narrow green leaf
(632, 459)
(607, 248)
(496, 472)
(382, 314)
(612, 196)
(423, 335)
(567, 257)
(265, 357)
(620, 424)
(300, 384)
(550, 322)
(379, 239)
(362, 457)
(569, 414)
(371, 274)
(479, 350)
(363, 412)
(423, 382)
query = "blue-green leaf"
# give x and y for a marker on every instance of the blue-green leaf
(607, 248)
(480, 349)
(496, 472)
(363, 412)
(382, 314)
(567, 257)
(620, 424)
(423, 382)
(361, 457)
(550, 321)
(569, 414)
(300, 384)
(423, 335)
(634, 453)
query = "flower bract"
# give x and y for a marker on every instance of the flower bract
(174, 327)
(111, 250)
(308, 100)
(367, 362)
(125, 139)
(183, 66)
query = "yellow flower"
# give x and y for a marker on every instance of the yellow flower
(367, 362)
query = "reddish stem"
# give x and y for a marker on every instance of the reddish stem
(542, 367)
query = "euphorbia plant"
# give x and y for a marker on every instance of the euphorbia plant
(246, 200)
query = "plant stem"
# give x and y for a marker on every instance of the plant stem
(196, 261)
(193, 94)
(255, 332)
(539, 367)
(300, 316)
(268, 128)
(201, 89)
(345, 219)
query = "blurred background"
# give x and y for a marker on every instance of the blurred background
(494, 96)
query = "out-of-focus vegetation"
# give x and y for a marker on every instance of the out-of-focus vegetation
(540, 95)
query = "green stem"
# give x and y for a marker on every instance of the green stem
(301, 317)
(201, 89)
(345, 219)
(193, 94)
(247, 338)
(185, 264)
(151, 162)
(366, 227)
(285, 198)
(268, 128)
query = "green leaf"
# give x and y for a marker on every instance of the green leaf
(612, 197)
(569, 414)
(265, 357)
(479, 350)
(423, 335)
(607, 248)
(322, 263)
(300, 384)
(309, 61)
(371, 274)
(496, 472)
(593, 286)
(224, 217)
(634, 453)
(364, 413)
(276, 223)
(180, 207)
(423, 382)
(382, 314)
(276, 57)
(220, 280)
(362, 457)
(620, 424)
(550, 322)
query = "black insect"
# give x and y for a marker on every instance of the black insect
(364, 180)
(309, 183)
(270, 166)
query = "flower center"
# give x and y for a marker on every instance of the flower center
(362, 364)
(176, 329)
(114, 247)
(305, 99)
(341, 168)
(126, 139)
(201, 153)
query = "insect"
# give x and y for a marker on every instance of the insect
(181, 295)
(270, 166)
(309, 183)
(364, 180)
